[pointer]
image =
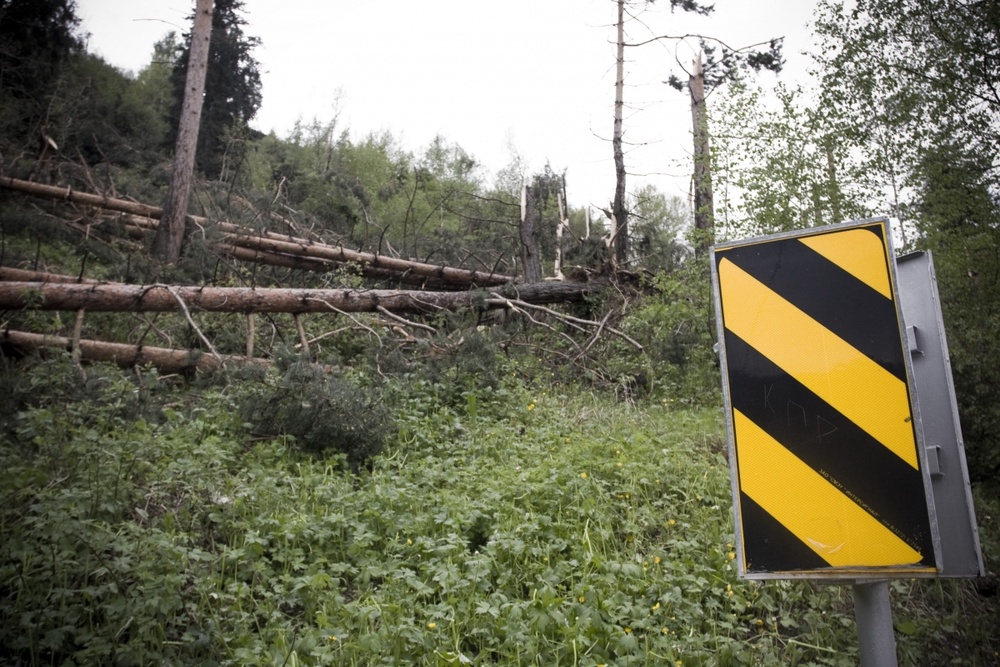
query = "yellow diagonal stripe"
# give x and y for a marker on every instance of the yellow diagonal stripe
(854, 385)
(857, 251)
(813, 509)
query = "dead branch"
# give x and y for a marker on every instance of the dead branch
(173, 292)
(353, 319)
(573, 321)
(514, 305)
(405, 322)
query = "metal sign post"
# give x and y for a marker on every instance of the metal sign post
(873, 616)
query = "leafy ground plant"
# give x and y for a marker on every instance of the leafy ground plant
(520, 526)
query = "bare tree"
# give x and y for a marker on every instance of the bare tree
(531, 258)
(704, 206)
(618, 214)
(706, 74)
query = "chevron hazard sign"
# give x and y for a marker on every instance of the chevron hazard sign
(827, 474)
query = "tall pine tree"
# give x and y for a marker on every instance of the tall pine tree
(232, 87)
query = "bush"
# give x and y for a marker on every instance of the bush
(325, 413)
(677, 330)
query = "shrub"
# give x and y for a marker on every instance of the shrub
(325, 413)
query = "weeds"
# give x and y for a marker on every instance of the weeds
(512, 527)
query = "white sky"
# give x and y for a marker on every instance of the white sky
(535, 76)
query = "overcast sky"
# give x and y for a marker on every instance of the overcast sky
(531, 76)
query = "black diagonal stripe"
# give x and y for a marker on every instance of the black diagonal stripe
(770, 547)
(829, 443)
(830, 295)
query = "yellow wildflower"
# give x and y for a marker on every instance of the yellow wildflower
(531, 406)
(582, 599)
(671, 522)
(656, 606)
(656, 560)
(431, 625)
(583, 475)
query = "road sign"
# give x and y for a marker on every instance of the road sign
(828, 478)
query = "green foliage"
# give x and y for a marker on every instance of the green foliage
(106, 118)
(960, 224)
(36, 37)
(919, 67)
(657, 222)
(778, 165)
(326, 414)
(732, 64)
(520, 527)
(676, 326)
(458, 361)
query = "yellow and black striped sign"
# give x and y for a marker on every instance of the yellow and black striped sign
(827, 477)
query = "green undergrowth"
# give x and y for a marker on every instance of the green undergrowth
(144, 524)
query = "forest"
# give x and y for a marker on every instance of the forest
(378, 405)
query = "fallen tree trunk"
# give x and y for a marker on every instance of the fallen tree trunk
(23, 275)
(268, 241)
(118, 297)
(69, 194)
(166, 359)
(310, 258)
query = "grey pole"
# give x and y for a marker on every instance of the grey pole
(873, 615)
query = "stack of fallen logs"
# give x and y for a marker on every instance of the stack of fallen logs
(20, 289)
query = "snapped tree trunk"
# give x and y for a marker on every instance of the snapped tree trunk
(619, 214)
(704, 207)
(530, 255)
(169, 236)
(560, 232)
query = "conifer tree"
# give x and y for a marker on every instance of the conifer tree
(232, 87)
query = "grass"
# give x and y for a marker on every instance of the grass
(519, 527)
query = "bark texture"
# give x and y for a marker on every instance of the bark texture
(530, 254)
(170, 235)
(166, 359)
(619, 214)
(118, 297)
(704, 205)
